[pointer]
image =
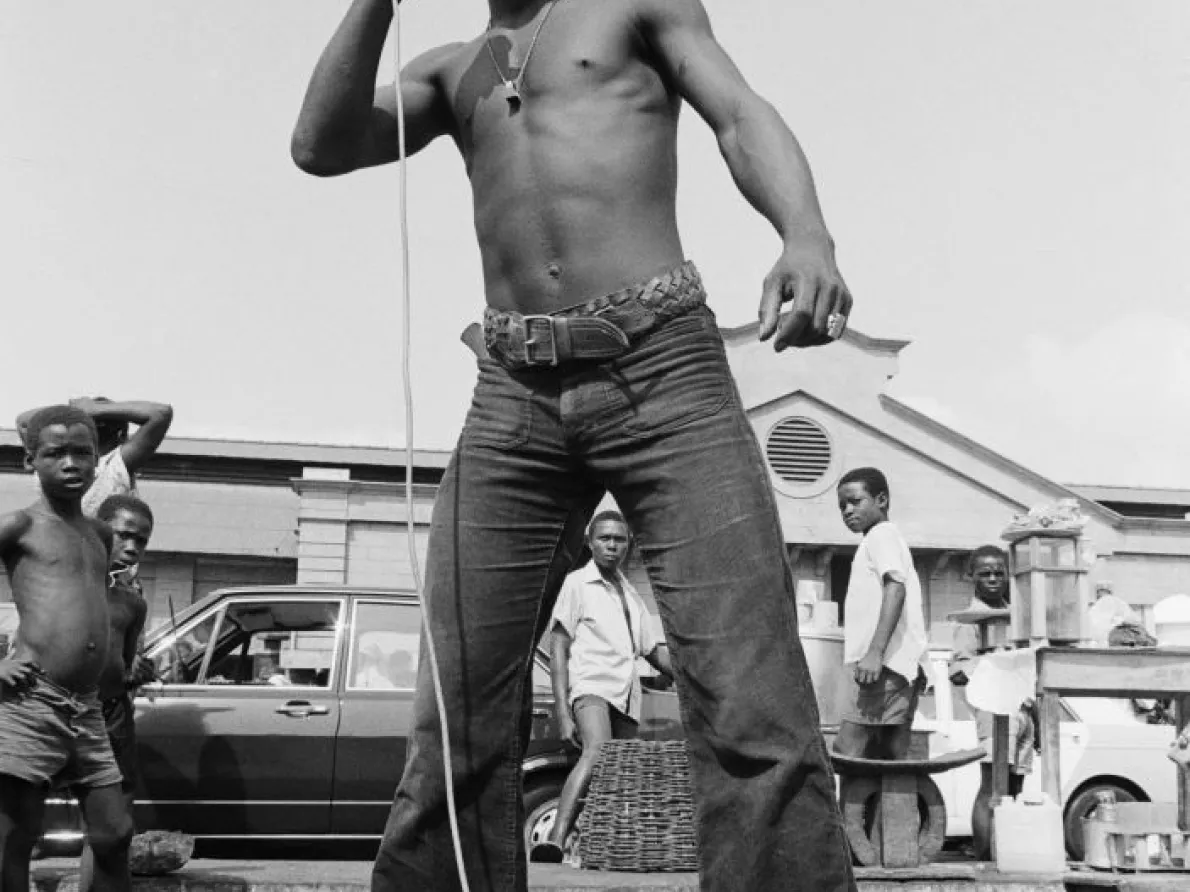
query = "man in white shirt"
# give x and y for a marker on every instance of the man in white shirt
(884, 635)
(598, 629)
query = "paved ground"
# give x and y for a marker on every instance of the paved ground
(59, 875)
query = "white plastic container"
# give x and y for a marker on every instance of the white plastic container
(1028, 835)
(1172, 620)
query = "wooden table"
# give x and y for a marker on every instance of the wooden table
(1109, 672)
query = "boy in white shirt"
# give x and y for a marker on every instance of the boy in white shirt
(884, 634)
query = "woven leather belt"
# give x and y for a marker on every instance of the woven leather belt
(599, 329)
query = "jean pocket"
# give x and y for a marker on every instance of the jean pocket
(500, 411)
(678, 375)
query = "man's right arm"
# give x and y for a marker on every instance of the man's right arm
(560, 665)
(560, 678)
(345, 122)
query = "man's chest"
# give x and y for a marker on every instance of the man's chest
(506, 84)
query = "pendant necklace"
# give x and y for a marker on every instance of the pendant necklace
(511, 86)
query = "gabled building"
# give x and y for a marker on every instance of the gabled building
(819, 413)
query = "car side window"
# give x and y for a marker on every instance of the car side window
(275, 643)
(384, 647)
(179, 659)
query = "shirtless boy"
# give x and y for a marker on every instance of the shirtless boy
(51, 725)
(131, 522)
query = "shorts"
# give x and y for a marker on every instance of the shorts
(118, 715)
(623, 727)
(51, 736)
(889, 700)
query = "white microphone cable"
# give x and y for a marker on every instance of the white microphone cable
(406, 345)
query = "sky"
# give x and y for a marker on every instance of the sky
(1007, 183)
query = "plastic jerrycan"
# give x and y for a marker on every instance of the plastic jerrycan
(1028, 835)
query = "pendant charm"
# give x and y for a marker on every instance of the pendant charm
(513, 95)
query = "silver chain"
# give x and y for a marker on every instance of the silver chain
(514, 85)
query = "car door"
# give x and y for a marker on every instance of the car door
(238, 740)
(377, 712)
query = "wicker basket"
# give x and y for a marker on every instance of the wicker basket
(640, 809)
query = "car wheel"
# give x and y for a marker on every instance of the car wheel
(541, 810)
(1082, 805)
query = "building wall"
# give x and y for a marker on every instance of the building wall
(201, 518)
(933, 506)
(181, 579)
(206, 535)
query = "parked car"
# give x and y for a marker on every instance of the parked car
(1104, 747)
(283, 714)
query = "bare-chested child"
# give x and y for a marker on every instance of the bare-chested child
(131, 523)
(51, 724)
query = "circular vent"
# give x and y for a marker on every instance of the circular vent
(798, 451)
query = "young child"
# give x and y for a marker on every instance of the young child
(987, 570)
(884, 635)
(51, 724)
(131, 523)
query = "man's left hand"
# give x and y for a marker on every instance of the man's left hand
(868, 669)
(805, 276)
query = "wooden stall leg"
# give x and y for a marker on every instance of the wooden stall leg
(1181, 706)
(1051, 739)
(900, 822)
(1000, 758)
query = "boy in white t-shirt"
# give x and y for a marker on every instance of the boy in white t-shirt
(884, 634)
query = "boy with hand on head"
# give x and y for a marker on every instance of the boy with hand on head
(884, 635)
(131, 523)
(987, 570)
(51, 724)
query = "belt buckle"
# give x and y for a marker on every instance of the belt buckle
(533, 325)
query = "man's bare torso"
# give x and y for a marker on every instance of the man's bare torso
(57, 572)
(574, 192)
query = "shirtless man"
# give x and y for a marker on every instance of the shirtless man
(601, 369)
(131, 523)
(51, 725)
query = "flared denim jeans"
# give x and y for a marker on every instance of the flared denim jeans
(663, 430)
